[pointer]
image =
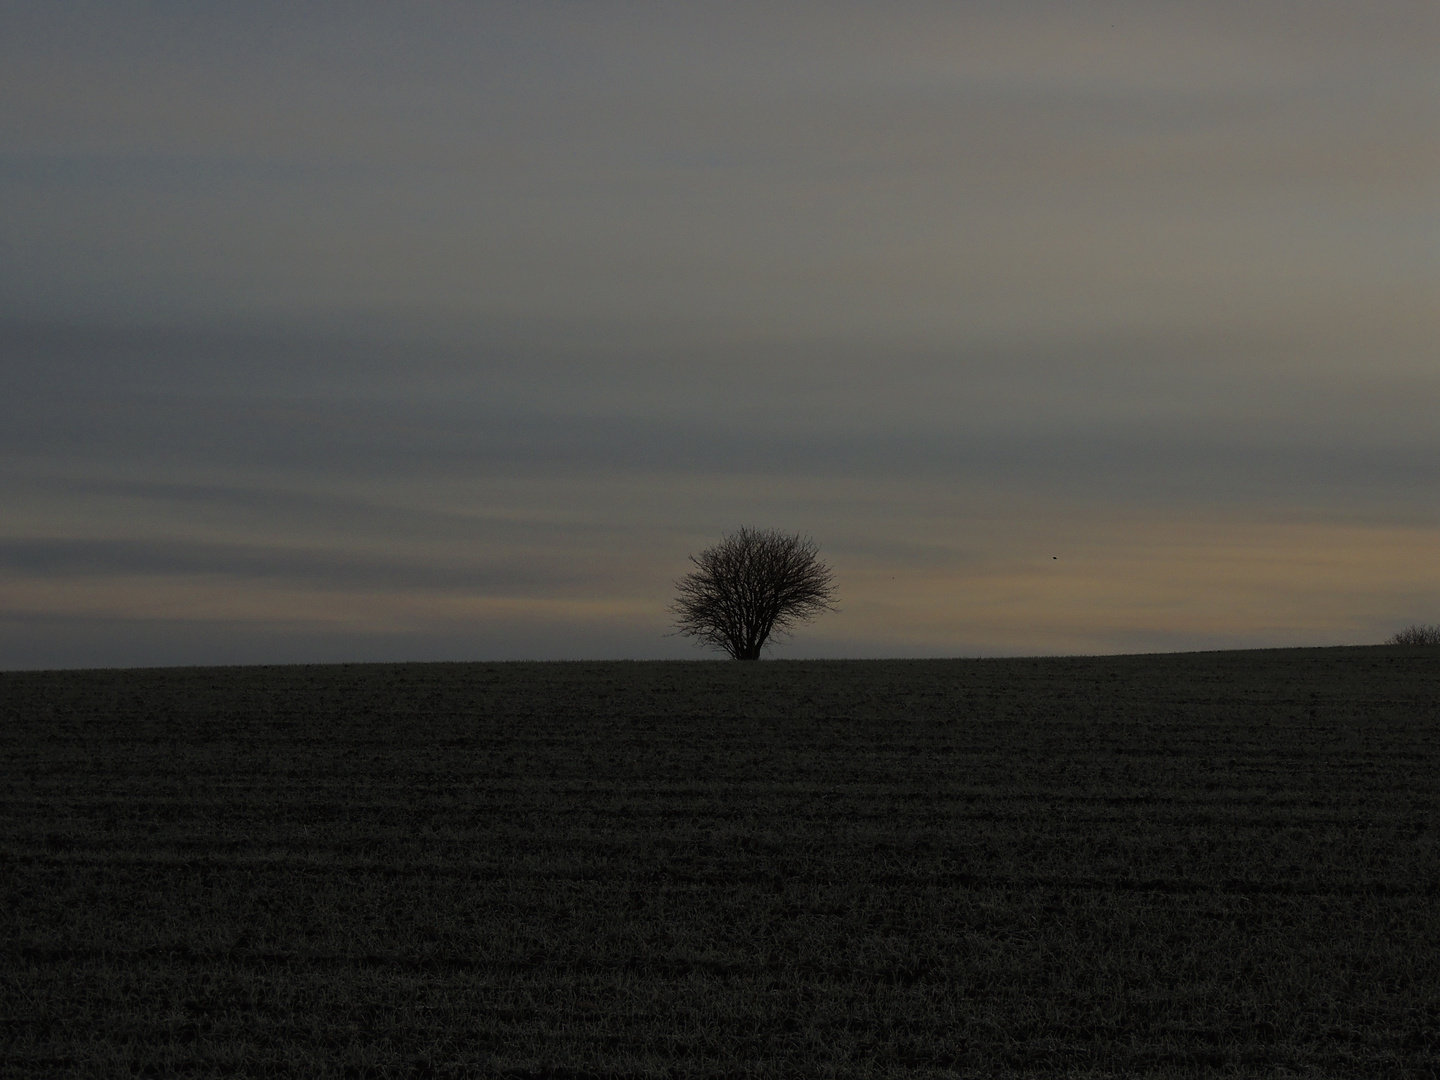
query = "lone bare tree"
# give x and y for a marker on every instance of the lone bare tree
(753, 584)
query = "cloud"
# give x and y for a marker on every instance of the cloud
(794, 169)
(318, 569)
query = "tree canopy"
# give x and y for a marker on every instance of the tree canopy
(752, 587)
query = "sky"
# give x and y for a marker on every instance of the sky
(448, 331)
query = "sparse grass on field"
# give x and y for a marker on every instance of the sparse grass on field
(1166, 865)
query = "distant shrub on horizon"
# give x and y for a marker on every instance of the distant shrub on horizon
(1419, 634)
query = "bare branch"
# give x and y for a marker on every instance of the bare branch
(750, 589)
(1419, 634)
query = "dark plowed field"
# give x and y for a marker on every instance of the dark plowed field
(1157, 865)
